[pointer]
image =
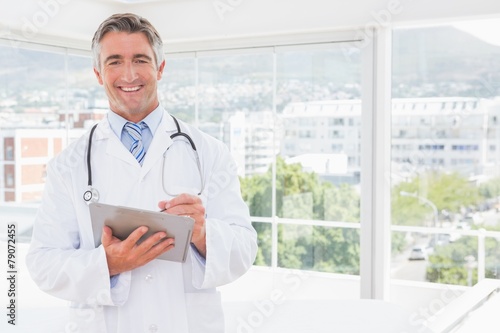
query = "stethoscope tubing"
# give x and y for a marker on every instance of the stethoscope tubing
(91, 195)
(89, 167)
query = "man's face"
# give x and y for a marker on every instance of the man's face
(129, 74)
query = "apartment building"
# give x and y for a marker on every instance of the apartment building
(26, 148)
(459, 133)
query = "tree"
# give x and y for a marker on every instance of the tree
(303, 195)
(453, 193)
(448, 264)
(448, 192)
(491, 189)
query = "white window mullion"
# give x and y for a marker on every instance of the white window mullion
(375, 166)
(274, 225)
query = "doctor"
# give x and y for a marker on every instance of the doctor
(119, 287)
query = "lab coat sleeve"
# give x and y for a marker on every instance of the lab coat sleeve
(231, 239)
(56, 260)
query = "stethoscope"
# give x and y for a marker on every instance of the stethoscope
(92, 195)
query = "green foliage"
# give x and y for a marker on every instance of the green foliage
(340, 203)
(398, 242)
(491, 189)
(449, 192)
(492, 252)
(264, 238)
(302, 195)
(448, 265)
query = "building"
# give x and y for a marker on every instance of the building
(454, 133)
(27, 148)
(26, 152)
(252, 137)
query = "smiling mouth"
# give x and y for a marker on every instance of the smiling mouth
(130, 89)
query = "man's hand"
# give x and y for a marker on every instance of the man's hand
(192, 206)
(126, 255)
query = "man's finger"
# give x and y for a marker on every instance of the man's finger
(182, 199)
(152, 240)
(164, 245)
(134, 237)
(162, 204)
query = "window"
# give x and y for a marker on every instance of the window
(50, 99)
(337, 122)
(9, 180)
(326, 82)
(9, 153)
(436, 183)
(232, 92)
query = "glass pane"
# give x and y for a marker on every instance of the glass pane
(86, 101)
(445, 151)
(32, 88)
(318, 167)
(177, 88)
(264, 241)
(235, 84)
(492, 260)
(409, 254)
(235, 103)
(323, 249)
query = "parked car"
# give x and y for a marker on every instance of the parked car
(418, 253)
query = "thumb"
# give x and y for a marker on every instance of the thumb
(107, 236)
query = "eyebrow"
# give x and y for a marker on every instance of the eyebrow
(119, 57)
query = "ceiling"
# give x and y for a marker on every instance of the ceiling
(73, 22)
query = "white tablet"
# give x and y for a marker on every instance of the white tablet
(124, 220)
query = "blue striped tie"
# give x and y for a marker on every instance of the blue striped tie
(135, 133)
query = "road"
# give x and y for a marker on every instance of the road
(413, 270)
(404, 269)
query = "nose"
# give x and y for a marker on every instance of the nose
(129, 73)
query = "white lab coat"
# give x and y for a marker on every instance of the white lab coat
(161, 296)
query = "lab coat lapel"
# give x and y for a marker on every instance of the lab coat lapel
(114, 147)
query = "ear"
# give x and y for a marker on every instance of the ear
(98, 76)
(160, 70)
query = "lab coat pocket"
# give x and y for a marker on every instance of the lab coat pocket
(204, 312)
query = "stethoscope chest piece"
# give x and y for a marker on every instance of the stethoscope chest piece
(91, 195)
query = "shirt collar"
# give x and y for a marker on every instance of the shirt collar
(153, 120)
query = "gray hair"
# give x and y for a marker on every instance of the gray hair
(129, 23)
